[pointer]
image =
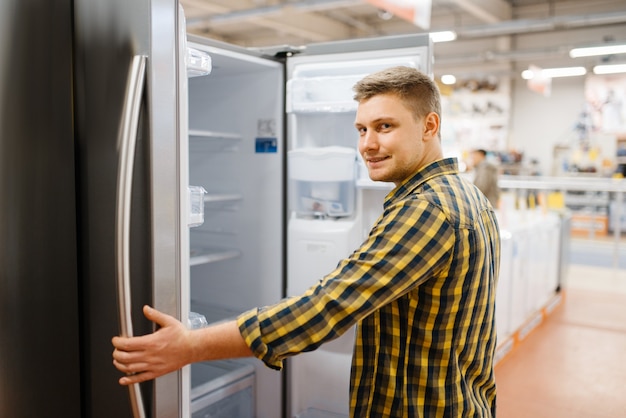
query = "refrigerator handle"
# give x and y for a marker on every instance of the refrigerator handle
(126, 145)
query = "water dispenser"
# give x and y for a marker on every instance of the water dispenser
(322, 181)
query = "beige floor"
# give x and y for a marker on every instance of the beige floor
(574, 364)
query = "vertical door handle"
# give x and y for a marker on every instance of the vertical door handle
(126, 146)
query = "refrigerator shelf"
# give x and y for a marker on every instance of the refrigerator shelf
(196, 133)
(209, 376)
(210, 198)
(216, 141)
(200, 256)
(222, 389)
(213, 313)
(222, 201)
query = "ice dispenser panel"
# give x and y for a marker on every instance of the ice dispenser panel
(322, 181)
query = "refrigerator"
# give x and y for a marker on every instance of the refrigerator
(272, 142)
(71, 93)
(143, 166)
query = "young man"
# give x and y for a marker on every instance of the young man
(421, 288)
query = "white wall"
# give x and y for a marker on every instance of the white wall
(538, 122)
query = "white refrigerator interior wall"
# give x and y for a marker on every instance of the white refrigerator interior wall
(240, 101)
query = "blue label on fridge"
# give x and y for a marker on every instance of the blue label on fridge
(265, 145)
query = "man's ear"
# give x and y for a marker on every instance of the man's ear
(431, 126)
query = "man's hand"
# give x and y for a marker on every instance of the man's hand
(150, 356)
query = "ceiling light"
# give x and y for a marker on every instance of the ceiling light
(448, 79)
(443, 36)
(598, 50)
(609, 69)
(554, 72)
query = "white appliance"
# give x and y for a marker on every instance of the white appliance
(272, 228)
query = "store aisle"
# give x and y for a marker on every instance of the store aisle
(574, 364)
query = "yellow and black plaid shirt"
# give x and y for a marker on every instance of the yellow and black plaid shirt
(422, 290)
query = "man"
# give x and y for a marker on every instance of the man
(486, 176)
(421, 288)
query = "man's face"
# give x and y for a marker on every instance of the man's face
(390, 138)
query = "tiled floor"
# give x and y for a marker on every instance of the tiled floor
(574, 364)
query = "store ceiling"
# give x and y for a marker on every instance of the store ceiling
(494, 36)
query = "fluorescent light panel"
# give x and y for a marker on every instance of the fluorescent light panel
(443, 36)
(598, 50)
(554, 72)
(609, 69)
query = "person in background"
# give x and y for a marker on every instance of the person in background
(486, 176)
(421, 288)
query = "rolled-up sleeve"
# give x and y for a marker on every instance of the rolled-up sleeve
(250, 330)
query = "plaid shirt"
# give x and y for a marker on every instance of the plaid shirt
(422, 290)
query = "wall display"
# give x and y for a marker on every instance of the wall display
(606, 99)
(476, 115)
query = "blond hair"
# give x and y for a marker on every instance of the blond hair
(418, 92)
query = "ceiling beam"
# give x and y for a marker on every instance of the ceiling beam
(293, 18)
(489, 11)
(523, 26)
(306, 26)
(301, 6)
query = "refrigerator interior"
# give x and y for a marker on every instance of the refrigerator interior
(236, 154)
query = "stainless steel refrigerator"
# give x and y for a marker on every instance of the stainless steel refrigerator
(63, 86)
(102, 132)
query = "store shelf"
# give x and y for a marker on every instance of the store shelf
(589, 199)
(200, 256)
(572, 182)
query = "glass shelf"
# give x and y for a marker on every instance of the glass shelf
(197, 133)
(200, 256)
(216, 141)
(222, 198)
(227, 202)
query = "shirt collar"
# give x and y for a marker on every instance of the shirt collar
(434, 169)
